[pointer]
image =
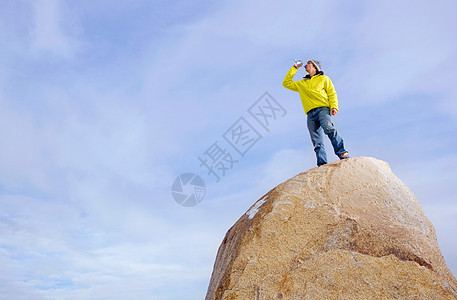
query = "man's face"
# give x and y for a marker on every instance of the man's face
(309, 66)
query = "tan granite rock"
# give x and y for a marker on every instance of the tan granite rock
(346, 230)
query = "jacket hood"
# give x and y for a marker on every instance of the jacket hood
(317, 73)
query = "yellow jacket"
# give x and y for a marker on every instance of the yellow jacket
(317, 91)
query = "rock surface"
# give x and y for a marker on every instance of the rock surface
(346, 230)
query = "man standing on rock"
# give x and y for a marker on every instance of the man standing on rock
(319, 100)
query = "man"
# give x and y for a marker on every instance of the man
(319, 100)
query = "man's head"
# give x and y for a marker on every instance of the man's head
(313, 66)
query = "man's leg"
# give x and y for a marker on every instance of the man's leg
(330, 130)
(317, 140)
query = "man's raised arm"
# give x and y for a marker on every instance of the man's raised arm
(288, 82)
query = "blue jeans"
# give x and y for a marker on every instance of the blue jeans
(319, 119)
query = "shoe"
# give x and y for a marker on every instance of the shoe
(344, 155)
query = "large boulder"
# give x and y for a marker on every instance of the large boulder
(350, 230)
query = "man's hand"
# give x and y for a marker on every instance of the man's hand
(334, 111)
(298, 64)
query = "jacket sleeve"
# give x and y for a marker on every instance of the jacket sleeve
(331, 93)
(288, 83)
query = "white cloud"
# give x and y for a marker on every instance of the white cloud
(397, 52)
(54, 31)
(59, 251)
(23, 156)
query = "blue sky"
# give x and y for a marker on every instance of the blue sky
(103, 105)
